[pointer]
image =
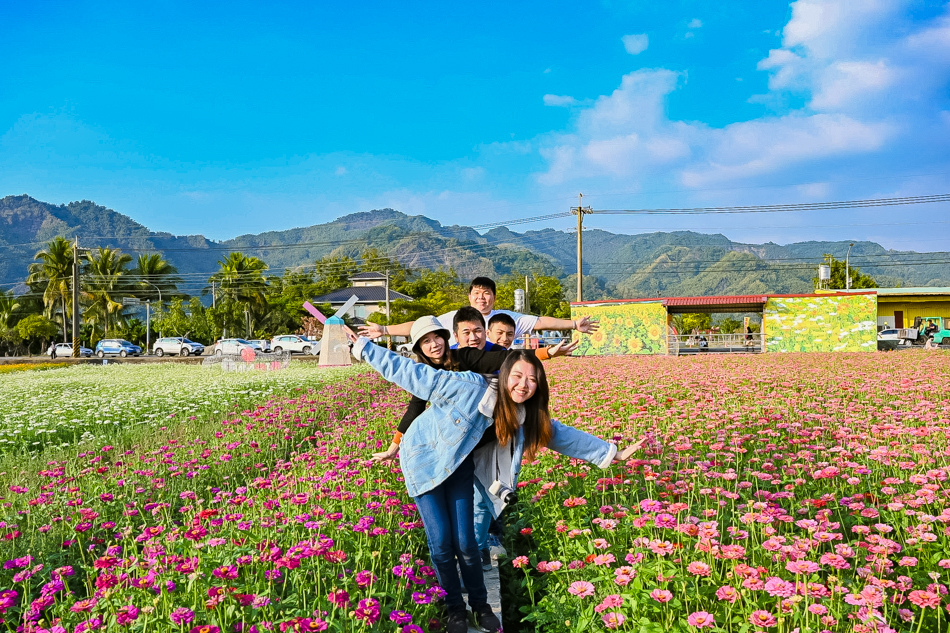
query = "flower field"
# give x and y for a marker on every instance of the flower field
(94, 402)
(777, 493)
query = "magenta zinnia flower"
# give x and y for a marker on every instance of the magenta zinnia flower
(763, 619)
(181, 616)
(701, 619)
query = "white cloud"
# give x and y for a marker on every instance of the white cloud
(635, 43)
(695, 23)
(870, 80)
(340, 171)
(559, 100)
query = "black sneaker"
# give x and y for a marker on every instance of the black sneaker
(457, 622)
(486, 559)
(486, 618)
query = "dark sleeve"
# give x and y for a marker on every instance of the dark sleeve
(414, 410)
(480, 361)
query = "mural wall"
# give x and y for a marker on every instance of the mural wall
(830, 323)
(625, 328)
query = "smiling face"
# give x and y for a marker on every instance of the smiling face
(501, 334)
(522, 382)
(482, 299)
(433, 346)
(470, 334)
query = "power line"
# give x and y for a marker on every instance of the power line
(784, 208)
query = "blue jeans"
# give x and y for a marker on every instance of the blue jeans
(483, 517)
(447, 514)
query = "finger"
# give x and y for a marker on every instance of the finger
(570, 346)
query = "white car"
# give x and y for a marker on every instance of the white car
(177, 345)
(889, 334)
(295, 344)
(65, 350)
(233, 346)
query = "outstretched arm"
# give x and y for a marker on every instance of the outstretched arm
(417, 378)
(584, 325)
(375, 330)
(575, 443)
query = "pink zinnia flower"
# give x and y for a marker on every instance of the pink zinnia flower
(613, 620)
(126, 615)
(520, 561)
(581, 589)
(801, 566)
(727, 593)
(612, 601)
(701, 619)
(661, 595)
(181, 616)
(924, 599)
(698, 568)
(763, 619)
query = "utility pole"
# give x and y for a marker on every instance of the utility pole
(148, 325)
(847, 268)
(76, 347)
(389, 339)
(214, 297)
(580, 211)
(527, 300)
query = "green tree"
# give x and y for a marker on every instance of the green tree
(36, 327)
(185, 319)
(106, 281)
(241, 287)
(9, 311)
(51, 274)
(545, 296)
(154, 278)
(839, 276)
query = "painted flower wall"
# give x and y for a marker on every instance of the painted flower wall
(830, 323)
(625, 328)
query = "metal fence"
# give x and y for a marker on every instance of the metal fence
(679, 344)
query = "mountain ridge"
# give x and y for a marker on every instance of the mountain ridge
(621, 265)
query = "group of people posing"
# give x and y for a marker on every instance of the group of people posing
(488, 409)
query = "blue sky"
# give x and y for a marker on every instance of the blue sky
(231, 118)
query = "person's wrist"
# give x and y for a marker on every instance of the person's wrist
(573, 324)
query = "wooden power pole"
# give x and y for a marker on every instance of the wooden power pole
(580, 211)
(76, 347)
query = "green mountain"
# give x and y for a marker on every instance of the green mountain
(615, 265)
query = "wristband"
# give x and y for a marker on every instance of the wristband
(385, 330)
(543, 353)
(397, 438)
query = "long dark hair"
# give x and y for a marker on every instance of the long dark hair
(537, 420)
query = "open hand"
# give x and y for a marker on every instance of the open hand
(628, 452)
(387, 456)
(586, 325)
(371, 330)
(564, 348)
(350, 334)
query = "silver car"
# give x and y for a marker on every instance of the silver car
(295, 344)
(234, 346)
(65, 350)
(177, 345)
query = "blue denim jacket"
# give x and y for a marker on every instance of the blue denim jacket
(441, 438)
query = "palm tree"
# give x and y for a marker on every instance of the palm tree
(52, 273)
(106, 281)
(155, 277)
(240, 281)
(8, 306)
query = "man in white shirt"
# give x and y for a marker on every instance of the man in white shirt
(481, 296)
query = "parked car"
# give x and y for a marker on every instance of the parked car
(118, 347)
(295, 344)
(177, 345)
(233, 346)
(890, 334)
(65, 350)
(263, 342)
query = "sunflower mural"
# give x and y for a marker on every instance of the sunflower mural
(823, 323)
(625, 328)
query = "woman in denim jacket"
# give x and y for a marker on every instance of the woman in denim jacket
(438, 456)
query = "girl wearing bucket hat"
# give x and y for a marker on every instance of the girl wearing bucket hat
(473, 435)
